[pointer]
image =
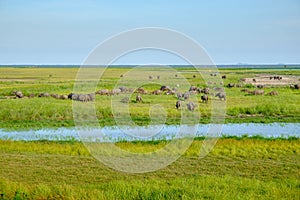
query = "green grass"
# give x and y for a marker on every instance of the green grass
(243, 168)
(48, 112)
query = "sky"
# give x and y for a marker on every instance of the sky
(231, 31)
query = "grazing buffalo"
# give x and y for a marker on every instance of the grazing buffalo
(123, 89)
(44, 94)
(18, 94)
(242, 80)
(297, 86)
(158, 77)
(178, 104)
(258, 92)
(156, 92)
(186, 95)
(273, 93)
(260, 86)
(190, 106)
(150, 77)
(206, 90)
(81, 97)
(179, 95)
(221, 95)
(170, 92)
(103, 92)
(31, 95)
(125, 100)
(230, 85)
(193, 88)
(194, 76)
(116, 91)
(254, 80)
(165, 88)
(138, 98)
(176, 75)
(224, 77)
(63, 96)
(204, 98)
(142, 91)
(245, 90)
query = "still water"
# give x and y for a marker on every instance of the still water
(114, 134)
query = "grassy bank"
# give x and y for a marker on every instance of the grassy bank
(241, 168)
(49, 112)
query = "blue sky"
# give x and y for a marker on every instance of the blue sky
(65, 32)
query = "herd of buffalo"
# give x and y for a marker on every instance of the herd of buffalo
(181, 96)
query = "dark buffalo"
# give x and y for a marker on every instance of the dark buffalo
(254, 80)
(206, 90)
(221, 95)
(260, 86)
(193, 88)
(178, 104)
(230, 85)
(204, 98)
(165, 88)
(224, 77)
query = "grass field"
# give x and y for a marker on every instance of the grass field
(49, 112)
(237, 168)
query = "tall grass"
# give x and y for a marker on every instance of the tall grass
(235, 169)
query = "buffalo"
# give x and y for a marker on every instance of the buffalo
(138, 98)
(156, 92)
(204, 98)
(260, 86)
(190, 106)
(178, 104)
(18, 94)
(273, 93)
(142, 91)
(44, 94)
(230, 85)
(206, 90)
(221, 95)
(186, 95)
(165, 88)
(258, 92)
(224, 77)
(116, 91)
(103, 92)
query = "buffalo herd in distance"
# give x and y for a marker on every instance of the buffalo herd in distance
(164, 90)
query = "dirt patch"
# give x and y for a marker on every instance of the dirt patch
(267, 79)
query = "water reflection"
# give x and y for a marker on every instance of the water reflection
(114, 134)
